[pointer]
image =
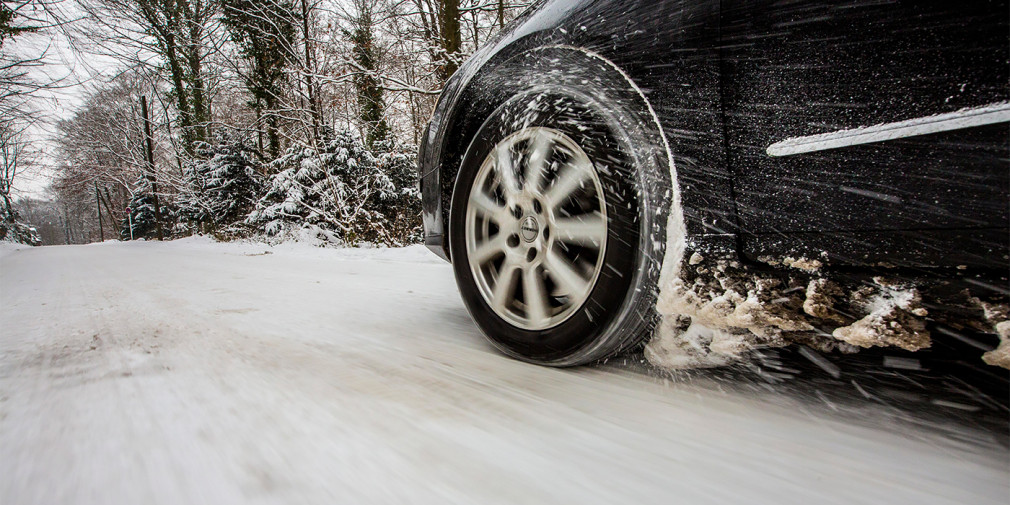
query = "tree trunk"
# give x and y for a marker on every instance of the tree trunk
(310, 84)
(178, 76)
(98, 207)
(451, 38)
(273, 136)
(150, 165)
(112, 217)
(201, 108)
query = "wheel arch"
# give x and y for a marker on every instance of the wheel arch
(499, 81)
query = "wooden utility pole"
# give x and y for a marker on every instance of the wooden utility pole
(150, 166)
(98, 205)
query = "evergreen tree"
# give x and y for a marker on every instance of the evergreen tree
(344, 190)
(223, 184)
(142, 217)
(7, 28)
(13, 230)
(401, 206)
(366, 56)
(264, 33)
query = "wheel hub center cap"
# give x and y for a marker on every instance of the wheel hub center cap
(529, 229)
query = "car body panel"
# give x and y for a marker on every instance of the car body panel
(804, 68)
(728, 79)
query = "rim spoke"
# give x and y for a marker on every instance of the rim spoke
(569, 281)
(536, 162)
(588, 230)
(487, 206)
(537, 306)
(506, 170)
(570, 179)
(528, 278)
(504, 290)
(485, 251)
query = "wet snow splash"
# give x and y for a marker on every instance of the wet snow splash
(998, 316)
(716, 312)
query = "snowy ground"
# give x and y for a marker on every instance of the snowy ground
(195, 372)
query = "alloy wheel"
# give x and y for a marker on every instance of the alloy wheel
(536, 228)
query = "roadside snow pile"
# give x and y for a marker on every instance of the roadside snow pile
(9, 247)
(306, 247)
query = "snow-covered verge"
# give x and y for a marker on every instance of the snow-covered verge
(200, 372)
(715, 312)
(9, 247)
(305, 244)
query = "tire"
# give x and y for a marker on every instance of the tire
(544, 234)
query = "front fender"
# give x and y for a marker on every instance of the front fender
(456, 114)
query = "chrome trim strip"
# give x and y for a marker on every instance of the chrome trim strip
(964, 118)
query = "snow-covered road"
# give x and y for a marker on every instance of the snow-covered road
(192, 372)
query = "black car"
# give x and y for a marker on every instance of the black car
(832, 173)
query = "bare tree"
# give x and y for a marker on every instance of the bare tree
(426, 46)
(178, 33)
(103, 145)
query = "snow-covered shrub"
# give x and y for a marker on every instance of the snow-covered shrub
(13, 231)
(343, 189)
(222, 184)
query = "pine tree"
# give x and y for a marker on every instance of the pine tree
(223, 184)
(142, 217)
(7, 28)
(343, 190)
(401, 206)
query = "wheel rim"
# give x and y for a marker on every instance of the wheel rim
(536, 228)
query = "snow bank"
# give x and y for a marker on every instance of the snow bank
(9, 247)
(305, 247)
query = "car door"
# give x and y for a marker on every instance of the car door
(792, 70)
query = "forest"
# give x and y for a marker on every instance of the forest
(272, 119)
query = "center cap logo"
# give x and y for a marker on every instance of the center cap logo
(529, 229)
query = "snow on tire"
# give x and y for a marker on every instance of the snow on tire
(552, 223)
